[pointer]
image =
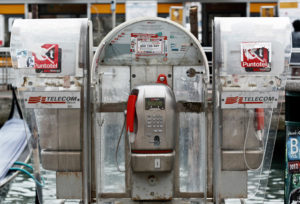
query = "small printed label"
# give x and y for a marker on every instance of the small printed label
(249, 100)
(25, 59)
(52, 99)
(148, 44)
(157, 163)
(256, 56)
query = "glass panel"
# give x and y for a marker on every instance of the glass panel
(112, 180)
(192, 83)
(192, 152)
(115, 84)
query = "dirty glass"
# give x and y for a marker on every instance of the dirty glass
(192, 152)
(192, 132)
(115, 84)
(112, 180)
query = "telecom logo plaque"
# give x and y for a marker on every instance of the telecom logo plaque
(238, 99)
(70, 99)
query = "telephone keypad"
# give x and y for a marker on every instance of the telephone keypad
(155, 123)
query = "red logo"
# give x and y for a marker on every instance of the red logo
(231, 100)
(240, 100)
(255, 57)
(43, 100)
(47, 58)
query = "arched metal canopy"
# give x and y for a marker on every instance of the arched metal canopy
(126, 45)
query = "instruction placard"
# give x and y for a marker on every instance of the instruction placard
(148, 44)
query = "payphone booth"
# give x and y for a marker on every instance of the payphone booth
(150, 77)
(251, 58)
(51, 58)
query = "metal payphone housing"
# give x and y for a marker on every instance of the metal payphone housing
(130, 58)
(251, 59)
(153, 149)
(51, 58)
(157, 120)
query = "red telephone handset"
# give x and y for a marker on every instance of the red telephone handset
(130, 113)
(260, 122)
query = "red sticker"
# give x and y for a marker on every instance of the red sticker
(48, 60)
(256, 56)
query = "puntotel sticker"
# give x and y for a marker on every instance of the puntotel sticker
(52, 99)
(48, 59)
(256, 56)
(249, 100)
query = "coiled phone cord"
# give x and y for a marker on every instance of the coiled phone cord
(245, 145)
(118, 144)
(244, 154)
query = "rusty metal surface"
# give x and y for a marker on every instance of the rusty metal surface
(152, 186)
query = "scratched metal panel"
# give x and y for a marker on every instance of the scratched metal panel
(152, 186)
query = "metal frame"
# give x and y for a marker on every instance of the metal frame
(87, 130)
(216, 132)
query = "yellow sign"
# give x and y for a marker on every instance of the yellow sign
(288, 5)
(176, 14)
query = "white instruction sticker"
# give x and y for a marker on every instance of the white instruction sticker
(148, 44)
(47, 99)
(249, 99)
(25, 59)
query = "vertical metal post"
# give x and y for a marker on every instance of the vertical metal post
(248, 9)
(26, 11)
(88, 12)
(35, 11)
(194, 20)
(113, 13)
(216, 122)
(87, 124)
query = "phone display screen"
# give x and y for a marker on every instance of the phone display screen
(154, 103)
